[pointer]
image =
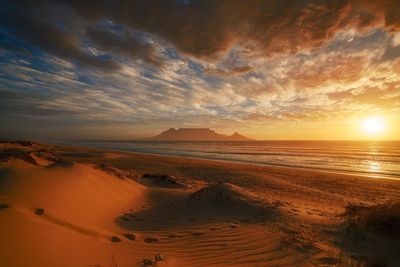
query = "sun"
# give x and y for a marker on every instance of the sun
(373, 125)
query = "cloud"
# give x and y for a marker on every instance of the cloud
(391, 53)
(36, 26)
(207, 28)
(124, 44)
(14, 104)
(386, 97)
(228, 72)
(204, 29)
(147, 64)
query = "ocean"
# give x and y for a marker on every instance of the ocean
(379, 159)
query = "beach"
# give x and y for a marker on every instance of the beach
(79, 206)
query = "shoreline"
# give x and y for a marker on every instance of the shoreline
(354, 173)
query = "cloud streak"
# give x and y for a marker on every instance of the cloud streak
(203, 29)
(152, 64)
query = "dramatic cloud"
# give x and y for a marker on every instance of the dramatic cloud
(207, 28)
(228, 63)
(200, 28)
(38, 27)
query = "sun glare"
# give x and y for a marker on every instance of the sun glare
(373, 125)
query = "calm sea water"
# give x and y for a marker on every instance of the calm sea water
(371, 158)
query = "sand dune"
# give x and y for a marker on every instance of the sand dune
(81, 207)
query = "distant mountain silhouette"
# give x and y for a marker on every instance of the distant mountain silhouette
(197, 134)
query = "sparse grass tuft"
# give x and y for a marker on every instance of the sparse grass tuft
(364, 225)
(383, 218)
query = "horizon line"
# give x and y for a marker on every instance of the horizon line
(254, 140)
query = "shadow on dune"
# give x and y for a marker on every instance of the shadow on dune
(223, 202)
(60, 164)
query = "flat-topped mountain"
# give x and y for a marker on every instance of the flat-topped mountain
(197, 134)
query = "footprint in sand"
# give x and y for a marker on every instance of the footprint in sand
(151, 240)
(130, 236)
(198, 233)
(115, 239)
(39, 211)
(4, 206)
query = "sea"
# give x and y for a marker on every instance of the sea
(375, 159)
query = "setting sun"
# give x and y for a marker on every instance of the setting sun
(373, 125)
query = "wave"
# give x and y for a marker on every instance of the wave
(374, 159)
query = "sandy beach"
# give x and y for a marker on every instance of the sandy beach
(64, 206)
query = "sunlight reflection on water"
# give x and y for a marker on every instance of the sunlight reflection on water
(374, 166)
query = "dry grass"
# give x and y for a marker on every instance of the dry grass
(383, 218)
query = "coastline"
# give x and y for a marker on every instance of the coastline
(314, 169)
(197, 212)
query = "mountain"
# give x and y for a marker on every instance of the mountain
(197, 134)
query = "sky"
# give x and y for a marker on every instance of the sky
(267, 69)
